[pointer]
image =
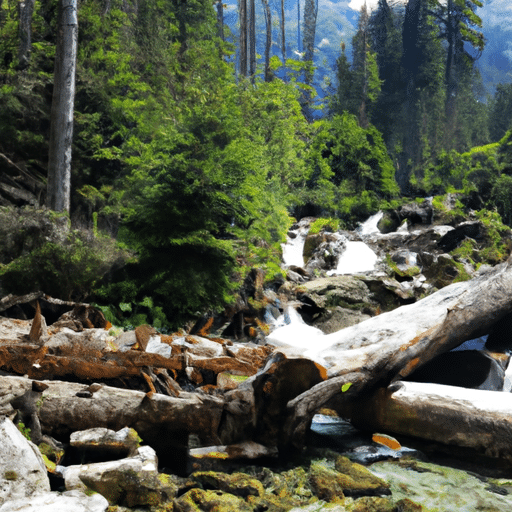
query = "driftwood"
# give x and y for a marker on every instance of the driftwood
(469, 418)
(390, 346)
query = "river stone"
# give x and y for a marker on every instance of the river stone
(238, 484)
(437, 487)
(207, 500)
(22, 469)
(337, 290)
(335, 319)
(74, 501)
(117, 444)
(131, 482)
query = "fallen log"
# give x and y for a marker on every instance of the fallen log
(390, 346)
(163, 422)
(469, 418)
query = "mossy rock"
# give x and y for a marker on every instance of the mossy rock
(198, 500)
(360, 481)
(238, 484)
(373, 504)
(327, 484)
(446, 270)
(311, 243)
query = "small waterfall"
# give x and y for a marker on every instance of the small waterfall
(369, 226)
(294, 246)
(357, 257)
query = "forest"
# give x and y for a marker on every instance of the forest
(196, 143)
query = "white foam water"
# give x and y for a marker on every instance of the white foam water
(356, 258)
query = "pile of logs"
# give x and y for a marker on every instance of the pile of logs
(75, 375)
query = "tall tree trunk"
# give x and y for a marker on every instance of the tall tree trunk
(243, 37)
(283, 36)
(252, 39)
(310, 13)
(268, 43)
(299, 40)
(220, 19)
(410, 36)
(61, 130)
(26, 9)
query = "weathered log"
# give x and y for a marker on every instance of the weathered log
(163, 422)
(470, 418)
(390, 346)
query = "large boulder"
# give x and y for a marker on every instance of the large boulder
(130, 482)
(75, 501)
(22, 469)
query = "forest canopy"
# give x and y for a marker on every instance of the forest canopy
(196, 143)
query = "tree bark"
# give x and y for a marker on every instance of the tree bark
(61, 131)
(268, 41)
(242, 13)
(252, 39)
(283, 33)
(392, 345)
(26, 9)
(468, 418)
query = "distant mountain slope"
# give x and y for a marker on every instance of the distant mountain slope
(337, 23)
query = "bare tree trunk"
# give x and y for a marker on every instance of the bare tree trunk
(268, 43)
(310, 13)
(283, 36)
(243, 37)
(26, 8)
(252, 39)
(220, 19)
(450, 415)
(61, 131)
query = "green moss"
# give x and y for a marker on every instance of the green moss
(24, 430)
(11, 475)
(409, 272)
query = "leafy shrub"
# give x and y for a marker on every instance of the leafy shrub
(44, 254)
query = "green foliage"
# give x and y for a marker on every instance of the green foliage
(350, 167)
(43, 255)
(324, 224)
(24, 430)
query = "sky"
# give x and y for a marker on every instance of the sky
(357, 4)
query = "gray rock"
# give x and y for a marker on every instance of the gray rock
(132, 481)
(22, 470)
(74, 501)
(124, 441)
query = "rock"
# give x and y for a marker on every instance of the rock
(364, 482)
(130, 482)
(198, 346)
(469, 229)
(323, 250)
(417, 213)
(219, 457)
(205, 500)
(75, 501)
(22, 469)
(238, 484)
(118, 444)
(337, 318)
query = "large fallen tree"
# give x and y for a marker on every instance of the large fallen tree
(391, 346)
(275, 406)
